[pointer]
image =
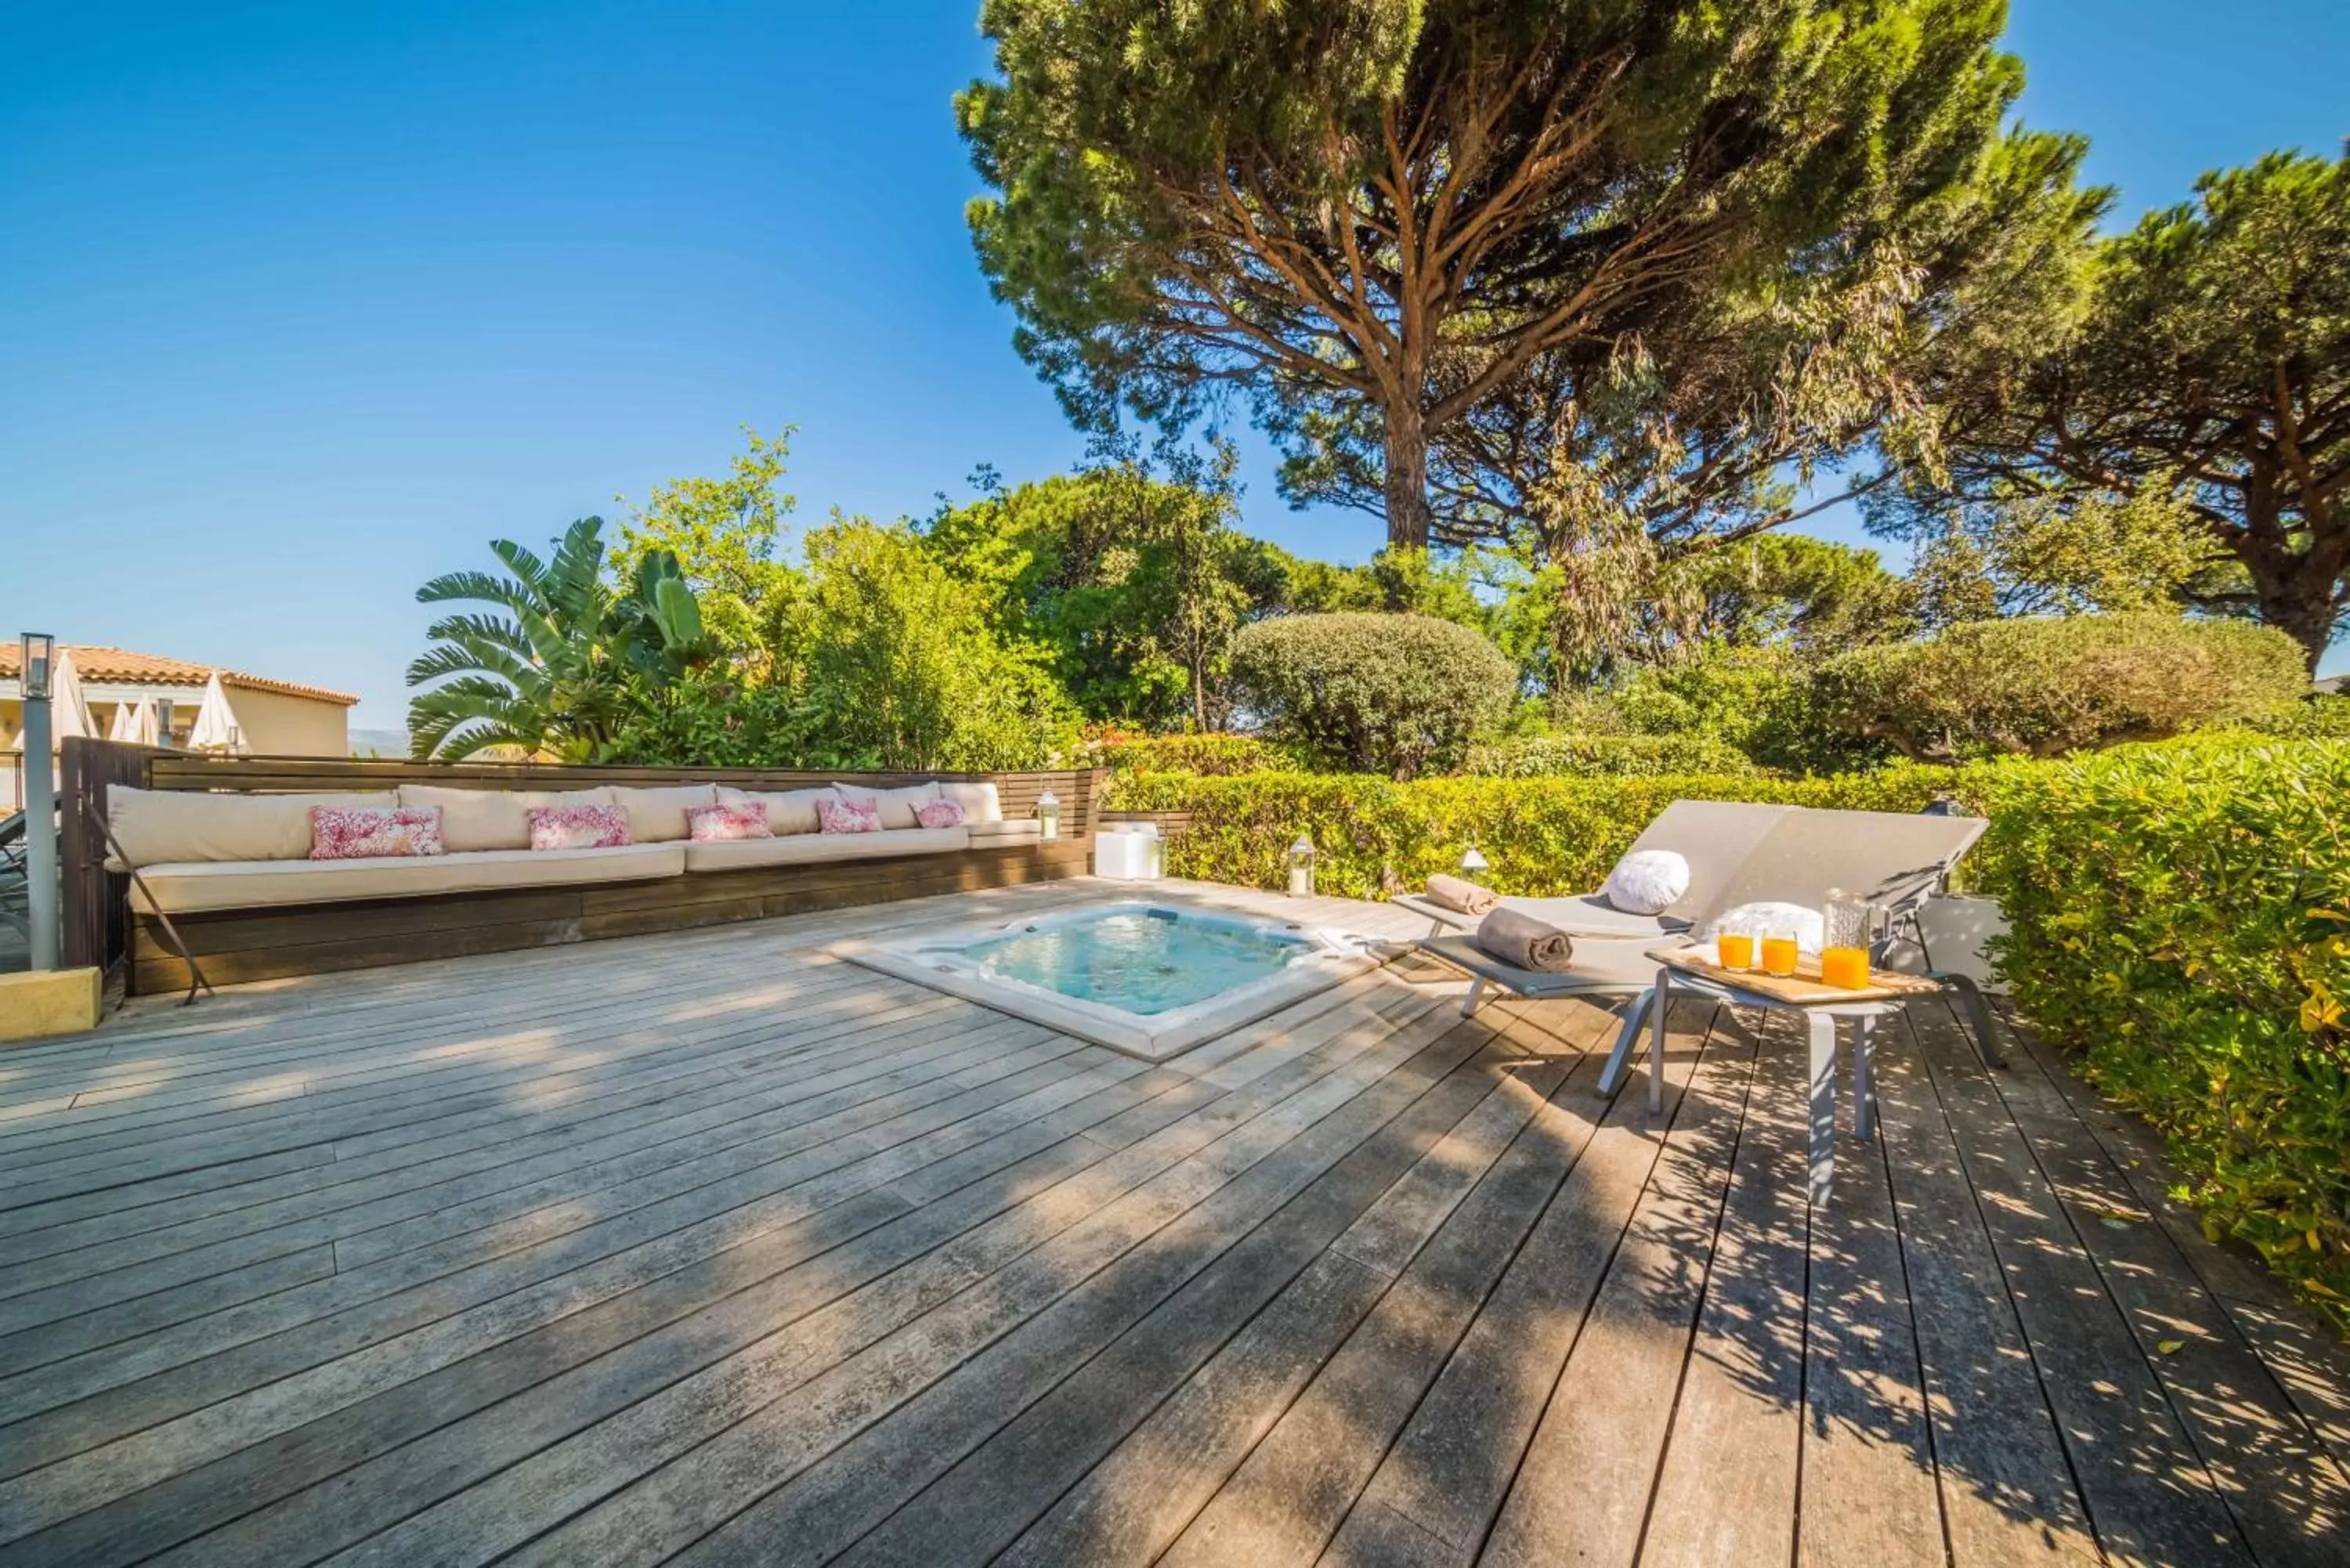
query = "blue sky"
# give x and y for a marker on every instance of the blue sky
(300, 303)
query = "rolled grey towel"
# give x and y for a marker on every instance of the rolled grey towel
(1523, 942)
(1457, 893)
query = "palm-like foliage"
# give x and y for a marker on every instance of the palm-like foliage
(563, 659)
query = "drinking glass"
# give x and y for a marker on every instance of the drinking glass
(1735, 950)
(1779, 950)
(1847, 969)
(1850, 926)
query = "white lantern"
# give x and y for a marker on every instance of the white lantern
(1301, 867)
(38, 651)
(1472, 864)
(1048, 815)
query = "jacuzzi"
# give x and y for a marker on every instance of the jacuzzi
(1147, 979)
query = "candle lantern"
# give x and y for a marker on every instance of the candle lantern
(1473, 864)
(1048, 815)
(1301, 867)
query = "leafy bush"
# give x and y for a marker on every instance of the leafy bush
(2041, 686)
(887, 661)
(1210, 755)
(2200, 969)
(2314, 718)
(1396, 694)
(1759, 700)
(903, 669)
(1538, 756)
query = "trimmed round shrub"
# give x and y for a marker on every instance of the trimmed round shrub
(2040, 686)
(1395, 694)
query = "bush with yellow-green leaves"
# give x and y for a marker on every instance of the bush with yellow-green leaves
(2180, 924)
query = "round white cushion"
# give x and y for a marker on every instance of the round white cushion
(1773, 920)
(1646, 881)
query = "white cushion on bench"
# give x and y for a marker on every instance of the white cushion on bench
(999, 833)
(815, 849)
(657, 816)
(789, 811)
(980, 801)
(193, 886)
(473, 819)
(158, 827)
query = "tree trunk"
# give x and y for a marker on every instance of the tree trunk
(2307, 611)
(1407, 476)
(2299, 590)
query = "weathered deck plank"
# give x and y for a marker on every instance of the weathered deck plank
(744, 1255)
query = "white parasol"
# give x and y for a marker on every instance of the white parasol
(69, 713)
(146, 725)
(216, 728)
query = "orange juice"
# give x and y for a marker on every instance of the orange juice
(1735, 950)
(1778, 955)
(1844, 968)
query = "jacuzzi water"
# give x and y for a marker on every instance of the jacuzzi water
(1138, 960)
(1141, 978)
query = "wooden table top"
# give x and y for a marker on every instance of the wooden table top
(1801, 989)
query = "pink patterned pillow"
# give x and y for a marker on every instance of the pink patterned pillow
(367, 832)
(578, 827)
(940, 813)
(844, 816)
(727, 824)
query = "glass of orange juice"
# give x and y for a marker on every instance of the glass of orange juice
(1847, 969)
(1735, 950)
(1779, 953)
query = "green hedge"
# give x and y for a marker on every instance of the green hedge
(1543, 836)
(1213, 755)
(2180, 914)
(1537, 756)
(2180, 922)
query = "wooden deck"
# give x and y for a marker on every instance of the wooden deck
(705, 1247)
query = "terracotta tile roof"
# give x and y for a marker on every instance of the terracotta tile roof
(154, 669)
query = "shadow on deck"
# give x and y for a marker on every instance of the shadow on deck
(709, 1248)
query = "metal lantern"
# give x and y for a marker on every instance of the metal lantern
(1301, 867)
(1048, 815)
(1473, 863)
(40, 651)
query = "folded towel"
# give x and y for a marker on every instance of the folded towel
(1455, 893)
(1523, 942)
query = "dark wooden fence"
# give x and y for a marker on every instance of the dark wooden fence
(97, 924)
(258, 944)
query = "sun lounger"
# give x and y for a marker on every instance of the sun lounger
(1715, 836)
(1885, 858)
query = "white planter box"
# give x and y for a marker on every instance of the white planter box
(1130, 853)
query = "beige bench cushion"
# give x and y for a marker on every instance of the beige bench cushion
(815, 849)
(789, 811)
(473, 819)
(264, 883)
(657, 816)
(980, 801)
(156, 826)
(997, 833)
(896, 806)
